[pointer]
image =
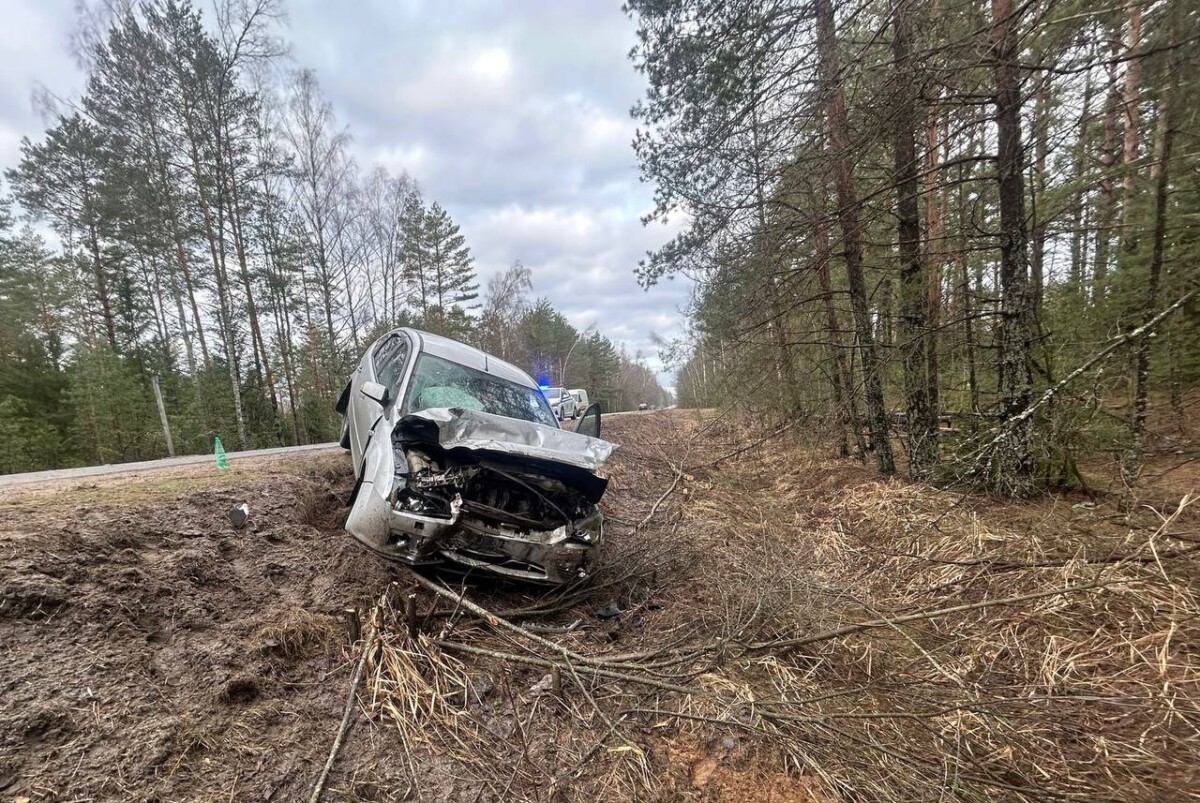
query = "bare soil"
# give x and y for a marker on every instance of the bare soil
(151, 652)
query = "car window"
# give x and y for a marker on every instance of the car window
(389, 359)
(441, 383)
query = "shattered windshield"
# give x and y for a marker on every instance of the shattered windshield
(441, 383)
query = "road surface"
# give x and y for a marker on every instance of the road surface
(14, 480)
(33, 477)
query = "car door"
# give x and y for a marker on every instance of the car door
(388, 360)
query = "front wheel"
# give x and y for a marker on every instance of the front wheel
(344, 441)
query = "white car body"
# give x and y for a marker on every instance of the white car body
(460, 461)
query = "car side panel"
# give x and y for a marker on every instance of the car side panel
(370, 515)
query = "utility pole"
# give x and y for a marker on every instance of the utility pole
(162, 414)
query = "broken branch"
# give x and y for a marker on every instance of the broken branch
(846, 630)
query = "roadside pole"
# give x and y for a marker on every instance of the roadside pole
(162, 414)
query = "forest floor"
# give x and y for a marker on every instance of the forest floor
(791, 628)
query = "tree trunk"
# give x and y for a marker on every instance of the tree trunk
(839, 142)
(280, 312)
(1010, 468)
(257, 342)
(1131, 118)
(935, 257)
(968, 292)
(844, 397)
(1108, 202)
(110, 328)
(180, 256)
(1132, 463)
(1078, 240)
(1037, 262)
(216, 249)
(787, 367)
(922, 437)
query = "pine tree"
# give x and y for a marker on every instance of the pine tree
(449, 273)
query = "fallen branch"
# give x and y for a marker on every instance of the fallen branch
(661, 499)
(455, 646)
(916, 617)
(351, 697)
(1001, 431)
(501, 623)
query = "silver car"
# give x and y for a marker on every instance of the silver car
(459, 459)
(562, 403)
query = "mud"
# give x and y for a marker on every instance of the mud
(149, 651)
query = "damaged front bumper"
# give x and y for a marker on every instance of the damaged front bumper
(488, 517)
(554, 557)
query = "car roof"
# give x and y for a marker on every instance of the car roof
(461, 353)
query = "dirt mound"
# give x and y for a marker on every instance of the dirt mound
(152, 652)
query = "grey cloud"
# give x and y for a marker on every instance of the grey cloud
(512, 115)
(515, 117)
(34, 42)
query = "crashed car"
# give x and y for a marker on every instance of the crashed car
(460, 460)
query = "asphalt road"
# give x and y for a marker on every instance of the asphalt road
(14, 480)
(33, 477)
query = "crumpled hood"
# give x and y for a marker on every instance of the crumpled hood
(468, 429)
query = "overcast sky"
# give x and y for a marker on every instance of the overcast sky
(513, 115)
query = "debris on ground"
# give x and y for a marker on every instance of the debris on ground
(609, 611)
(239, 515)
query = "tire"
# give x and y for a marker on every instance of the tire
(344, 441)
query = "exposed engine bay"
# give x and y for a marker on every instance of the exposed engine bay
(506, 510)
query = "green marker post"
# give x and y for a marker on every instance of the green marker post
(219, 454)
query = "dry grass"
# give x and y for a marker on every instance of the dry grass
(160, 484)
(298, 633)
(794, 622)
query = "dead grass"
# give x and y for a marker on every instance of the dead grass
(1041, 650)
(298, 633)
(160, 484)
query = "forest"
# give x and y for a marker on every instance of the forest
(197, 218)
(972, 224)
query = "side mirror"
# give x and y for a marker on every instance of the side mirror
(590, 423)
(375, 392)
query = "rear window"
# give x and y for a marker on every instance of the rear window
(441, 383)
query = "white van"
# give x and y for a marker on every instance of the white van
(581, 399)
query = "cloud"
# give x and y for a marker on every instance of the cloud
(582, 258)
(514, 116)
(34, 52)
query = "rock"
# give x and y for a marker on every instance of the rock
(239, 515)
(610, 611)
